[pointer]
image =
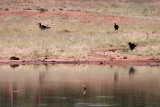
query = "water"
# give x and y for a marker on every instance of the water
(63, 86)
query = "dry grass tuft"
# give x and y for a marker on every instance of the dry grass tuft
(42, 9)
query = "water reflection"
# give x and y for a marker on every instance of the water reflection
(131, 71)
(79, 86)
(14, 65)
(116, 77)
(84, 89)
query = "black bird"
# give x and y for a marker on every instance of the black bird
(116, 27)
(131, 45)
(43, 27)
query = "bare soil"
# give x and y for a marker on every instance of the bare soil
(68, 14)
(111, 56)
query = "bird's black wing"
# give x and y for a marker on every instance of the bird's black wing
(44, 27)
(116, 27)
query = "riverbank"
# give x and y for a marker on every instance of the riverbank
(99, 61)
(80, 36)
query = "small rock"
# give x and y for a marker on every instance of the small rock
(124, 57)
(60, 9)
(101, 63)
(14, 58)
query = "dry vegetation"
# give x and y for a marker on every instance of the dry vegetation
(75, 36)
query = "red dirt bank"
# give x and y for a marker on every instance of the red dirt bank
(69, 14)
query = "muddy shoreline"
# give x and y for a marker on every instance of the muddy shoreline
(146, 62)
